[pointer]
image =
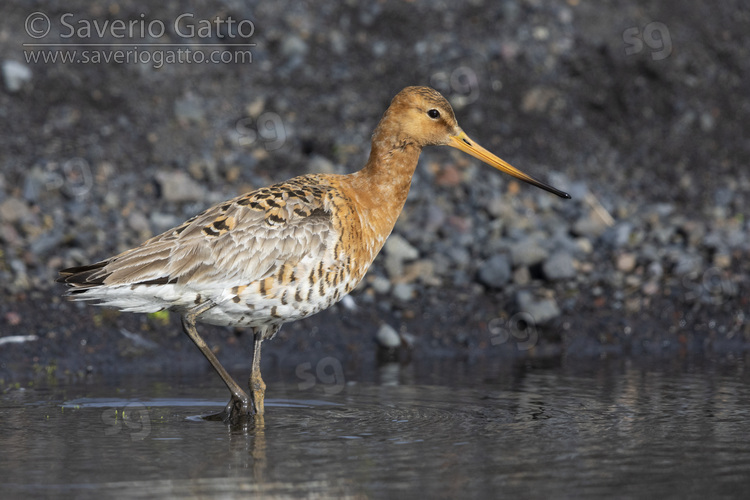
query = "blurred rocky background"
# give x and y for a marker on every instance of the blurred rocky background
(636, 108)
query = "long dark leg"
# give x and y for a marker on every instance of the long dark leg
(257, 386)
(240, 402)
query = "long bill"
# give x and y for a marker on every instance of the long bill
(461, 141)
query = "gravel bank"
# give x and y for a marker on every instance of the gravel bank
(637, 110)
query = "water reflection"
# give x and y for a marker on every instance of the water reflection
(530, 432)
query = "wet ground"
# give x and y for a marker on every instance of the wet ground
(614, 430)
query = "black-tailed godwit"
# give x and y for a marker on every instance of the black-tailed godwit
(283, 252)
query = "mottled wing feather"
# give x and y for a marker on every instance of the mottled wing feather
(236, 242)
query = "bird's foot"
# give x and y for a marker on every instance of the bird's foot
(237, 411)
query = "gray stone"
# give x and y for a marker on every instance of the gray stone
(495, 272)
(521, 276)
(655, 269)
(380, 284)
(162, 221)
(590, 226)
(408, 339)
(138, 222)
(177, 186)
(47, 241)
(398, 250)
(294, 49)
(37, 182)
(388, 337)
(15, 75)
(435, 219)
(397, 246)
(584, 245)
(688, 265)
(618, 235)
(559, 266)
(626, 262)
(460, 256)
(293, 46)
(541, 310)
(189, 109)
(321, 165)
(12, 210)
(403, 291)
(527, 252)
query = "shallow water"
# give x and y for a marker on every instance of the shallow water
(622, 432)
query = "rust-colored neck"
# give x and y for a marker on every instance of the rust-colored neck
(383, 184)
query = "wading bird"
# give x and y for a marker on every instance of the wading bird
(283, 252)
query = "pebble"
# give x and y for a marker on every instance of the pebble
(435, 218)
(539, 99)
(294, 49)
(422, 270)
(176, 186)
(321, 165)
(403, 291)
(380, 284)
(527, 252)
(448, 177)
(460, 256)
(47, 242)
(387, 337)
(618, 235)
(15, 75)
(559, 266)
(584, 245)
(655, 269)
(12, 210)
(397, 246)
(722, 259)
(293, 46)
(37, 182)
(589, 226)
(398, 251)
(521, 276)
(626, 262)
(495, 272)
(189, 109)
(688, 264)
(138, 222)
(650, 288)
(540, 309)
(408, 339)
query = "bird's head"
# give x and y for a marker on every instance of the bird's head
(427, 119)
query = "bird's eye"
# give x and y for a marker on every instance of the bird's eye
(433, 113)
